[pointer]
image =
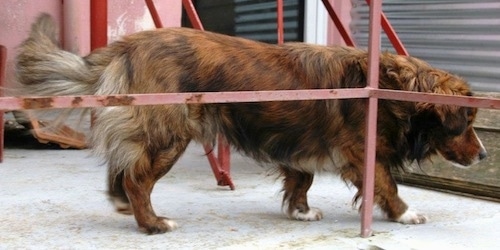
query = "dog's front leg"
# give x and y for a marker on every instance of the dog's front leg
(386, 196)
(386, 193)
(295, 187)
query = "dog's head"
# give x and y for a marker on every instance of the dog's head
(446, 129)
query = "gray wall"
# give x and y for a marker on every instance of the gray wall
(462, 36)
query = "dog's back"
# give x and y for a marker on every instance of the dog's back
(185, 60)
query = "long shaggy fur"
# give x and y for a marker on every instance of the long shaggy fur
(141, 143)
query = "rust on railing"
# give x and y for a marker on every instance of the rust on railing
(89, 101)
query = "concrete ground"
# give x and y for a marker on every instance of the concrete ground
(55, 199)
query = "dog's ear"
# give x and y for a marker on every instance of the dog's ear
(395, 71)
(452, 117)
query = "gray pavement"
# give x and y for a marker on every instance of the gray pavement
(55, 199)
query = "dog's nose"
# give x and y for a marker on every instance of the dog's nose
(483, 154)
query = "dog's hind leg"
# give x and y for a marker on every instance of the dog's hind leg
(295, 187)
(139, 181)
(117, 193)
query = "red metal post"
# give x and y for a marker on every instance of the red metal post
(371, 119)
(220, 164)
(98, 30)
(98, 23)
(212, 159)
(154, 13)
(336, 20)
(391, 34)
(3, 60)
(192, 14)
(393, 37)
(280, 17)
(224, 157)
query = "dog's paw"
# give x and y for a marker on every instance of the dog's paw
(121, 206)
(311, 215)
(162, 225)
(412, 217)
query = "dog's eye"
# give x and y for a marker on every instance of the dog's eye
(470, 112)
(470, 115)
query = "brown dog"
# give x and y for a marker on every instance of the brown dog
(141, 143)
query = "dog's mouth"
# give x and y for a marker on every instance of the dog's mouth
(458, 165)
(479, 157)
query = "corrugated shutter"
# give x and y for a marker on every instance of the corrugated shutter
(462, 36)
(256, 19)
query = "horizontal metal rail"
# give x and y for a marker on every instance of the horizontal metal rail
(466, 101)
(89, 101)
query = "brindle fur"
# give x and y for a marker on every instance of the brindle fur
(141, 143)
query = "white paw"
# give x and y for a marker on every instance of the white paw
(311, 215)
(121, 207)
(162, 225)
(171, 224)
(412, 217)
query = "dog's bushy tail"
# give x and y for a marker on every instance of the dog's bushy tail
(44, 69)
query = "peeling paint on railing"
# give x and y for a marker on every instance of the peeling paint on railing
(89, 101)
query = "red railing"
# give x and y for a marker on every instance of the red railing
(98, 24)
(220, 164)
(3, 62)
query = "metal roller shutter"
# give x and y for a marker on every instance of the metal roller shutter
(462, 36)
(256, 19)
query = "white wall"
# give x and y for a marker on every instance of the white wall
(318, 27)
